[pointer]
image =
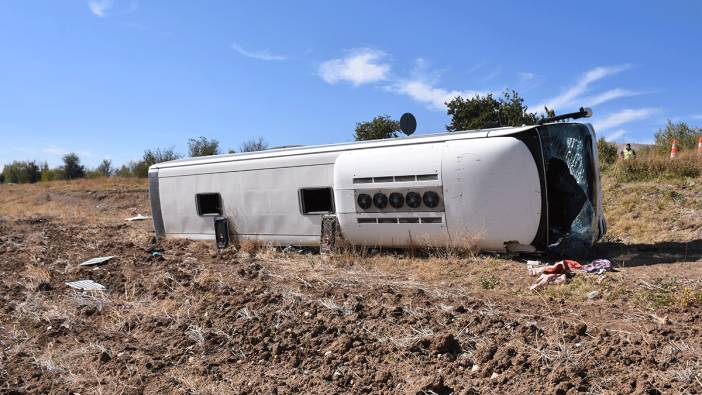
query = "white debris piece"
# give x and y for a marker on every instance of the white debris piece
(96, 261)
(138, 217)
(86, 285)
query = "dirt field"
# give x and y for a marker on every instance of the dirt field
(196, 320)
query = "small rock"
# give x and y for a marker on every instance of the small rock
(105, 357)
(494, 375)
(581, 329)
(446, 344)
(475, 368)
(593, 295)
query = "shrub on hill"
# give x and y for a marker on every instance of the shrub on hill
(655, 167)
(21, 172)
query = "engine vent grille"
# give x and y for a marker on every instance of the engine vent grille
(401, 220)
(419, 177)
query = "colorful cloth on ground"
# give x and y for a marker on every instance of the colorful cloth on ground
(599, 266)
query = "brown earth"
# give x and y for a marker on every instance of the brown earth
(253, 320)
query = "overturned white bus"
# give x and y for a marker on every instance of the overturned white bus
(518, 188)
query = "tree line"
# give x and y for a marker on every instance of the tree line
(30, 171)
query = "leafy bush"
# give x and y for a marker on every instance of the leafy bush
(151, 157)
(486, 111)
(380, 127)
(652, 167)
(607, 152)
(686, 136)
(203, 147)
(255, 144)
(21, 172)
(72, 168)
(105, 168)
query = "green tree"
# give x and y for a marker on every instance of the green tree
(254, 144)
(607, 152)
(685, 135)
(20, 172)
(127, 169)
(49, 174)
(105, 168)
(151, 157)
(380, 127)
(482, 112)
(72, 168)
(203, 147)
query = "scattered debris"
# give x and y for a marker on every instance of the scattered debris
(96, 261)
(546, 279)
(599, 266)
(86, 285)
(660, 320)
(138, 217)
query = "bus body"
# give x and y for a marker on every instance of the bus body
(525, 189)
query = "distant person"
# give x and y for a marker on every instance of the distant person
(628, 153)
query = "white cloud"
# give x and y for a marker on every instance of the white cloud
(697, 116)
(100, 7)
(607, 96)
(362, 66)
(526, 76)
(573, 95)
(494, 73)
(426, 93)
(622, 117)
(260, 55)
(613, 136)
(54, 150)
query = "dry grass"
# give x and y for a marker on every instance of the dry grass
(66, 199)
(649, 167)
(645, 212)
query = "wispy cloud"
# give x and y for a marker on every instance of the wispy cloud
(100, 7)
(54, 150)
(422, 87)
(263, 54)
(613, 136)
(696, 116)
(360, 67)
(424, 92)
(622, 117)
(574, 94)
(607, 96)
(492, 74)
(526, 76)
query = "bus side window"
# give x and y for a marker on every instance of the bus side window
(208, 204)
(316, 200)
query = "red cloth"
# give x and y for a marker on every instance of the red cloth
(573, 264)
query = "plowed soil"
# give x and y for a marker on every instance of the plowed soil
(192, 319)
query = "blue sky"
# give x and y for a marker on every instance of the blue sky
(111, 78)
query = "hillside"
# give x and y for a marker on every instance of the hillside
(199, 320)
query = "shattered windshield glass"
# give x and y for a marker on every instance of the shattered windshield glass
(567, 150)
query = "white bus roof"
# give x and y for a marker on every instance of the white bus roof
(315, 149)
